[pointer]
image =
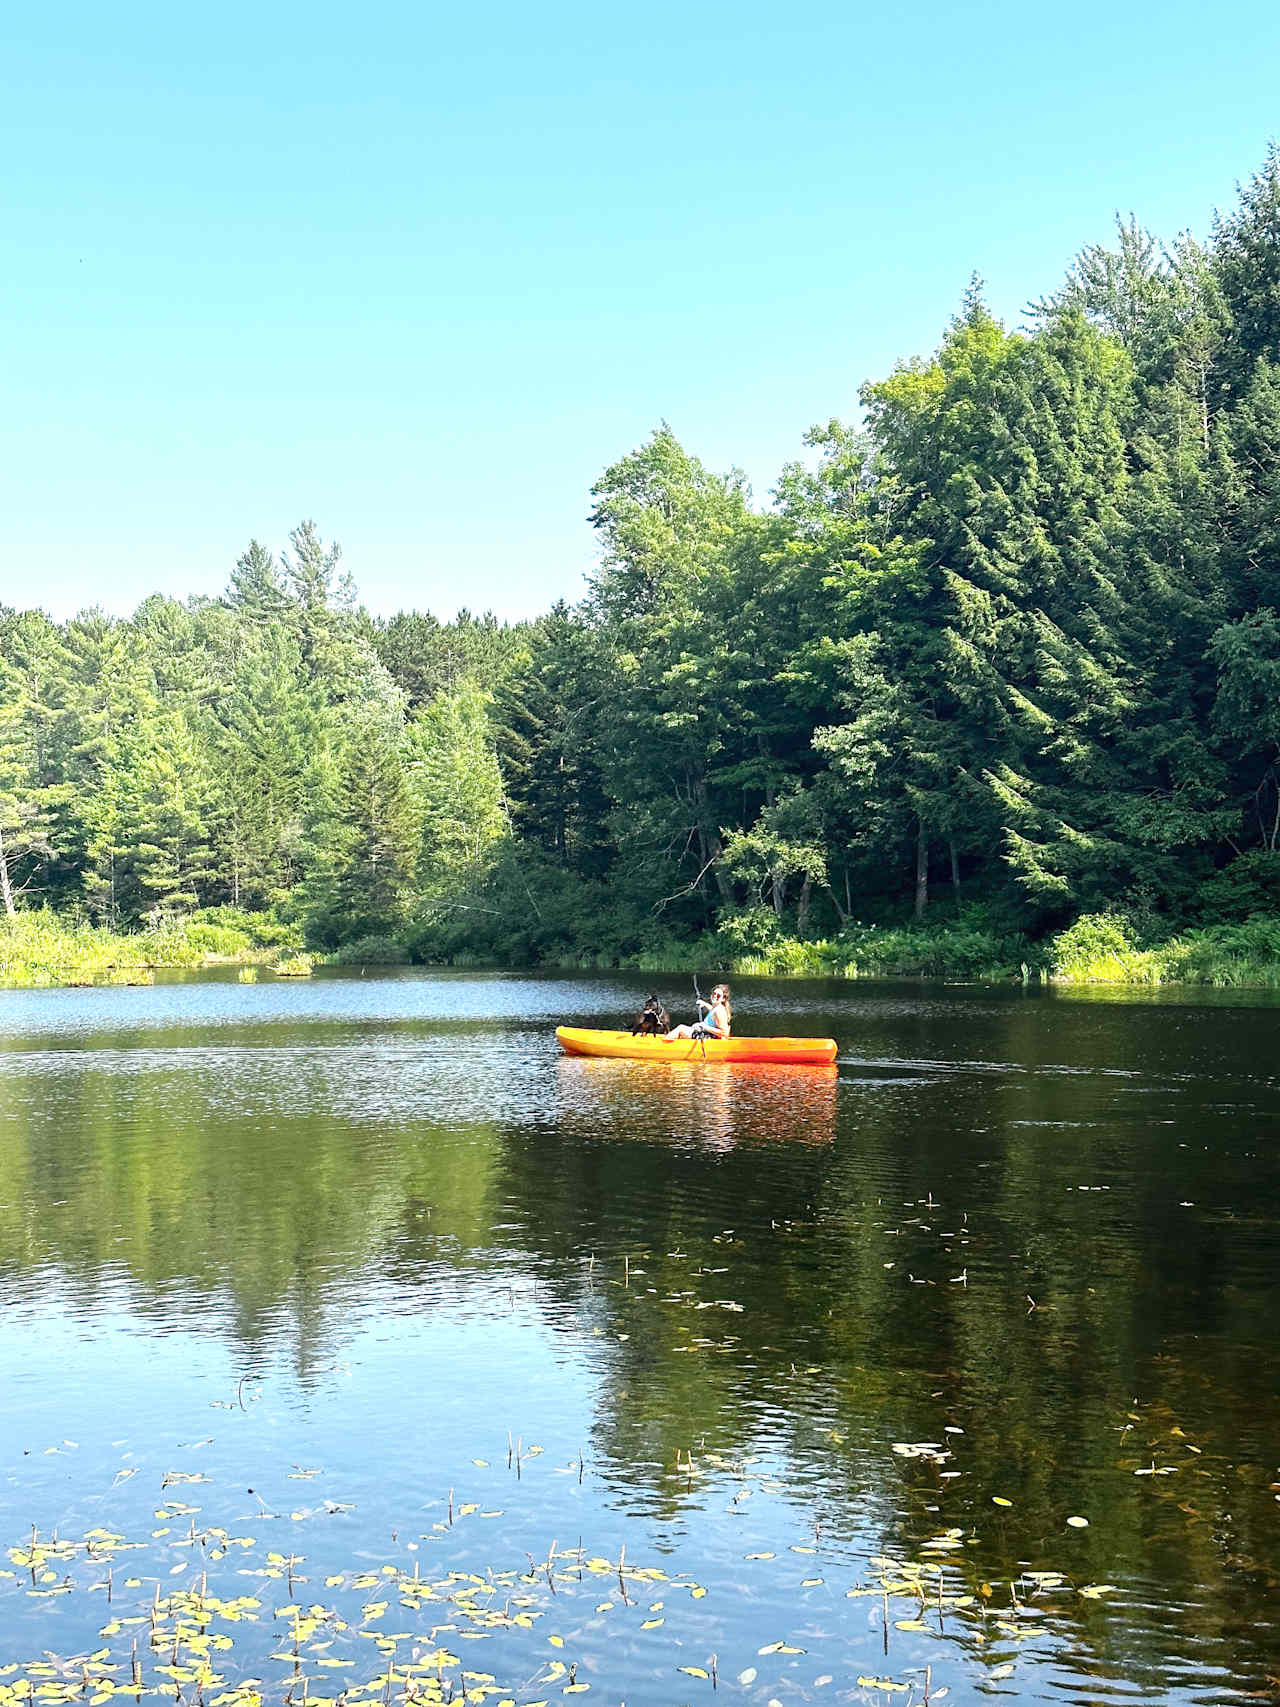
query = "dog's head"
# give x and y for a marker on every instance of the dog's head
(652, 1018)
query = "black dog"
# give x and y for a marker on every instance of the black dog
(653, 1020)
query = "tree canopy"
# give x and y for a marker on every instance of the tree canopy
(1011, 638)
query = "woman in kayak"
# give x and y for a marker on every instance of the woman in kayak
(718, 1022)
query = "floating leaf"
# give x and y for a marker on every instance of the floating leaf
(997, 1500)
(693, 1671)
(1078, 1522)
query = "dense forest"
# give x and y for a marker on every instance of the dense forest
(1005, 654)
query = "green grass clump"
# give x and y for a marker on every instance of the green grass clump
(292, 965)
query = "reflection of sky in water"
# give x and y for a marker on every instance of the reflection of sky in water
(379, 1081)
(341, 1000)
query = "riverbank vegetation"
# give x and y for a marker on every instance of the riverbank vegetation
(991, 684)
(37, 946)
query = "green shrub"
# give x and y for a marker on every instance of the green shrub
(223, 940)
(260, 930)
(372, 951)
(956, 951)
(751, 931)
(1228, 956)
(1099, 949)
(1245, 889)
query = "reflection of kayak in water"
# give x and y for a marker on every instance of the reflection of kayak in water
(795, 1051)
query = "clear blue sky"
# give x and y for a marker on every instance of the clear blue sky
(422, 272)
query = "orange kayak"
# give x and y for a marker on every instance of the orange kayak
(794, 1051)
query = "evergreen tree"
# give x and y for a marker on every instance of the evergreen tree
(547, 718)
(257, 588)
(427, 657)
(109, 691)
(1246, 261)
(456, 789)
(161, 800)
(263, 735)
(30, 666)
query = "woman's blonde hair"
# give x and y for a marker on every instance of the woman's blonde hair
(721, 990)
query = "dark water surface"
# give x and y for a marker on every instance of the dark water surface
(370, 1331)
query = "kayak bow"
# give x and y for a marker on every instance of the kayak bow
(794, 1051)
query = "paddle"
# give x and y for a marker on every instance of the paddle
(703, 1007)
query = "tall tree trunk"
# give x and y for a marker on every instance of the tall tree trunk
(779, 886)
(802, 909)
(922, 869)
(842, 912)
(6, 888)
(709, 843)
(955, 868)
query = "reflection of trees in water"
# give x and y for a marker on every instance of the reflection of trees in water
(832, 1356)
(143, 1192)
(934, 1271)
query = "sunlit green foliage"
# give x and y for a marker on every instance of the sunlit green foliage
(1013, 642)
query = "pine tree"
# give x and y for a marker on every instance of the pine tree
(109, 689)
(161, 801)
(32, 665)
(547, 717)
(263, 732)
(257, 588)
(456, 790)
(1246, 261)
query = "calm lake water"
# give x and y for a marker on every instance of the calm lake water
(361, 1333)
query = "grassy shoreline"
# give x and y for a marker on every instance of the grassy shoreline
(40, 949)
